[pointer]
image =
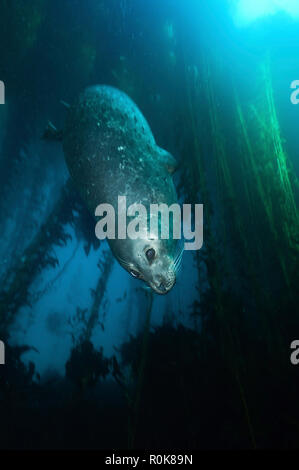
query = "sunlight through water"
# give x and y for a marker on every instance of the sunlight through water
(248, 11)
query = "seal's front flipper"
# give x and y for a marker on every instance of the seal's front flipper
(167, 160)
(51, 133)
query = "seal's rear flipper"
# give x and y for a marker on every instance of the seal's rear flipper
(51, 133)
(168, 160)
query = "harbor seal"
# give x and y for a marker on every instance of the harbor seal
(110, 151)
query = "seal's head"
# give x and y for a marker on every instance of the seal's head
(153, 261)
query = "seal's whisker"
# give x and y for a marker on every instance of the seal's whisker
(180, 266)
(178, 254)
(178, 272)
(178, 269)
(178, 259)
(177, 265)
(123, 262)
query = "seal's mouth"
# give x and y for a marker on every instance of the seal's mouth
(164, 287)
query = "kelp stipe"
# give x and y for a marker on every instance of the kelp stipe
(269, 168)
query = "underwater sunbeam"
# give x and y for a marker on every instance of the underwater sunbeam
(248, 11)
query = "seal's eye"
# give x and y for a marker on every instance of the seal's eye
(134, 273)
(150, 254)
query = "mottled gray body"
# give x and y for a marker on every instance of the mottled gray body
(110, 151)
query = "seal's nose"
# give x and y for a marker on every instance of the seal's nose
(162, 288)
(163, 283)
